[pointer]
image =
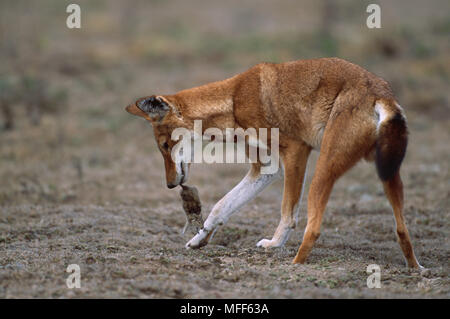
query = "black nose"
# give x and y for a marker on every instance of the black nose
(170, 185)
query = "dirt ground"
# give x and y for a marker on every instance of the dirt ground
(86, 186)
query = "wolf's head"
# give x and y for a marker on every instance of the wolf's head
(164, 115)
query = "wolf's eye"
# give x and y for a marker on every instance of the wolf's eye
(165, 146)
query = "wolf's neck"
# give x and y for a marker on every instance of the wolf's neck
(212, 103)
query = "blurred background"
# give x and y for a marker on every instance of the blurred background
(68, 148)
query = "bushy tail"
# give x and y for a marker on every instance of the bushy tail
(391, 144)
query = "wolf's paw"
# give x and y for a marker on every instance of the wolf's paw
(418, 266)
(199, 240)
(267, 243)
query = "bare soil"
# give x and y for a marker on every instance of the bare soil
(87, 185)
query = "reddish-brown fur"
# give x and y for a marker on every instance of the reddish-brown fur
(324, 104)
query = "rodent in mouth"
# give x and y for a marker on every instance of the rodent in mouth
(192, 207)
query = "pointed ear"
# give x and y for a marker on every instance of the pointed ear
(154, 106)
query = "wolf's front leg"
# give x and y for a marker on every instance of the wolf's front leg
(250, 186)
(295, 158)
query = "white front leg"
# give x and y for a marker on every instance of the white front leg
(250, 186)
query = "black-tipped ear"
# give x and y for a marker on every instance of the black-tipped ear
(154, 106)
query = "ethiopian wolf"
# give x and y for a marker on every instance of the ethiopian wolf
(329, 104)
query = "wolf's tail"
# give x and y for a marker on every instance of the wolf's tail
(392, 139)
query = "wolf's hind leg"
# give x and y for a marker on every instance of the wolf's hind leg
(394, 192)
(342, 147)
